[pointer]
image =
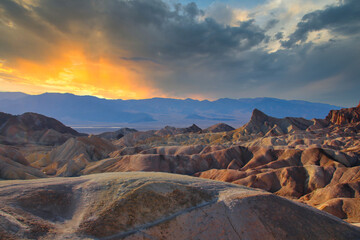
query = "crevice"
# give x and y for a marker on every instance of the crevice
(232, 226)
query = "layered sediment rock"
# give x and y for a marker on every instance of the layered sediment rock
(344, 116)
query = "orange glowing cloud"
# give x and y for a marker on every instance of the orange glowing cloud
(73, 71)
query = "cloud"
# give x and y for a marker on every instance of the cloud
(341, 19)
(225, 14)
(71, 41)
(296, 73)
(279, 35)
(148, 48)
(148, 29)
(271, 23)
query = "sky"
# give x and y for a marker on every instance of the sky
(135, 49)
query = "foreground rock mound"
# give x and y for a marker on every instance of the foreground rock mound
(156, 206)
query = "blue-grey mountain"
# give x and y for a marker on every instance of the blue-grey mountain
(87, 110)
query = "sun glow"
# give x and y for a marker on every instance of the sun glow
(5, 69)
(75, 72)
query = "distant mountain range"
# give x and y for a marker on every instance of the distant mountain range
(155, 112)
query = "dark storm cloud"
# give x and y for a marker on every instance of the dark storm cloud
(279, 35)
(22, 35)
(145, 28)
(343, 19)
(176, 33)
(326, 73)
(21, 16)
(271, 23)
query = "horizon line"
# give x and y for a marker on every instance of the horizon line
(173, 98)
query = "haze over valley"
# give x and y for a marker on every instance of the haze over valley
(94, 115)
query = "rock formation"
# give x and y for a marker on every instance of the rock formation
(262, 124)
(168, 130)
(117, 134)
(220, 127)
(74, 155)
(4, 117)
(33, 128)
(13, 165)
(156, 206)
(315, 162)
(345, 115)
(137, 138)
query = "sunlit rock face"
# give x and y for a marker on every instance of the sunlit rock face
(142, 205)
(345, 115)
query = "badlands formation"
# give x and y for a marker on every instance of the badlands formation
(156, 206)
(306, 172)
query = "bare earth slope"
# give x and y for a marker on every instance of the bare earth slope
(156, 206)
(33, 128)
(13, 165)
(74, 155)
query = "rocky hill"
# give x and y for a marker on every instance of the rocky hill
(345, 115)
(168, 130)
(117, 134)
(13, 165)
(220, 127)
(74, 155)
(156, 206)
(260, 123)
(140, 137)
(4, 117)
(33, 128)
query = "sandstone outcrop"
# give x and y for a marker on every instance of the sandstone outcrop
(33, 128)
(156, 206)
(344, 116)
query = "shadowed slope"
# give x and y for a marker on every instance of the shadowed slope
(33, 128)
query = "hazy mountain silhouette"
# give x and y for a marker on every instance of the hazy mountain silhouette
(73, 109)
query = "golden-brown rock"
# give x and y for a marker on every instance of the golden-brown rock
(156, 206)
